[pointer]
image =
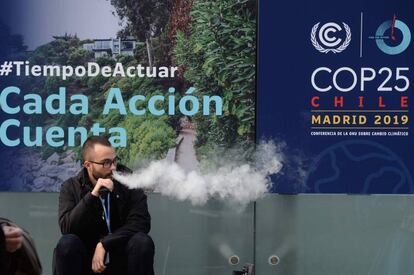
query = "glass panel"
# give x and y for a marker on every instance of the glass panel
(37, 213)
(311, 234)
(127, 45)
(102, 45)
(188, 239)
(200, 240)
(335, 234)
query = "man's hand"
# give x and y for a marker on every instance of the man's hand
(108, 183)
(98, 259)
(13, 237)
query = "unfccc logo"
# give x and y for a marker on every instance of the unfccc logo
(326, 35)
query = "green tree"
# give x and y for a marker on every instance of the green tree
(144, 19)
(218, 56)
(79, 57)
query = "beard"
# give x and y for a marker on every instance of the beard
(98, 175)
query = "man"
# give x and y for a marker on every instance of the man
(104, 233)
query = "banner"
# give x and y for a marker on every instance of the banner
(335, 82)
(333, 85)
(162, 79)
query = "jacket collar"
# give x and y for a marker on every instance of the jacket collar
(84, 179)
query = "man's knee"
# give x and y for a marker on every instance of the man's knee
(141, 243)
(69, 244)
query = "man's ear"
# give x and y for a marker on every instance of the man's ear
(86, 164)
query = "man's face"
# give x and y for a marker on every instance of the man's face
(96, 157)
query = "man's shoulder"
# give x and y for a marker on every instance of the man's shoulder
(121, 187)
(129, 193)
(76, 180)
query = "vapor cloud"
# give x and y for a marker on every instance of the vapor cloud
(230, 178)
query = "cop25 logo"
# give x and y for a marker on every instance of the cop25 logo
(329, 41)
(392, 36)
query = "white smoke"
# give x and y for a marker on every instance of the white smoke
(237, 182)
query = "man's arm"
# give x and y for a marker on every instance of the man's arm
(77, 217)
(138, 220)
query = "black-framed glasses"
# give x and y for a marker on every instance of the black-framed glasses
(107, 163)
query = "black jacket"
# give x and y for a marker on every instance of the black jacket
(81, 213)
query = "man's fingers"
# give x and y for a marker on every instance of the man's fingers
(108, 183)
(98, 265)
(95, 267)
(98, 268)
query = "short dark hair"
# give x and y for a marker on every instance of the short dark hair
(90, 144)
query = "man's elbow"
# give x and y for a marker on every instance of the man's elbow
(143, 227)
(147, 228)
(64, 226)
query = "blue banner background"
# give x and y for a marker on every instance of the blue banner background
(286, 60)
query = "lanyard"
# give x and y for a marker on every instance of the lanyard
(107, 211)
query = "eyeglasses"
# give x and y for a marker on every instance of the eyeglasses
(107, 163)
